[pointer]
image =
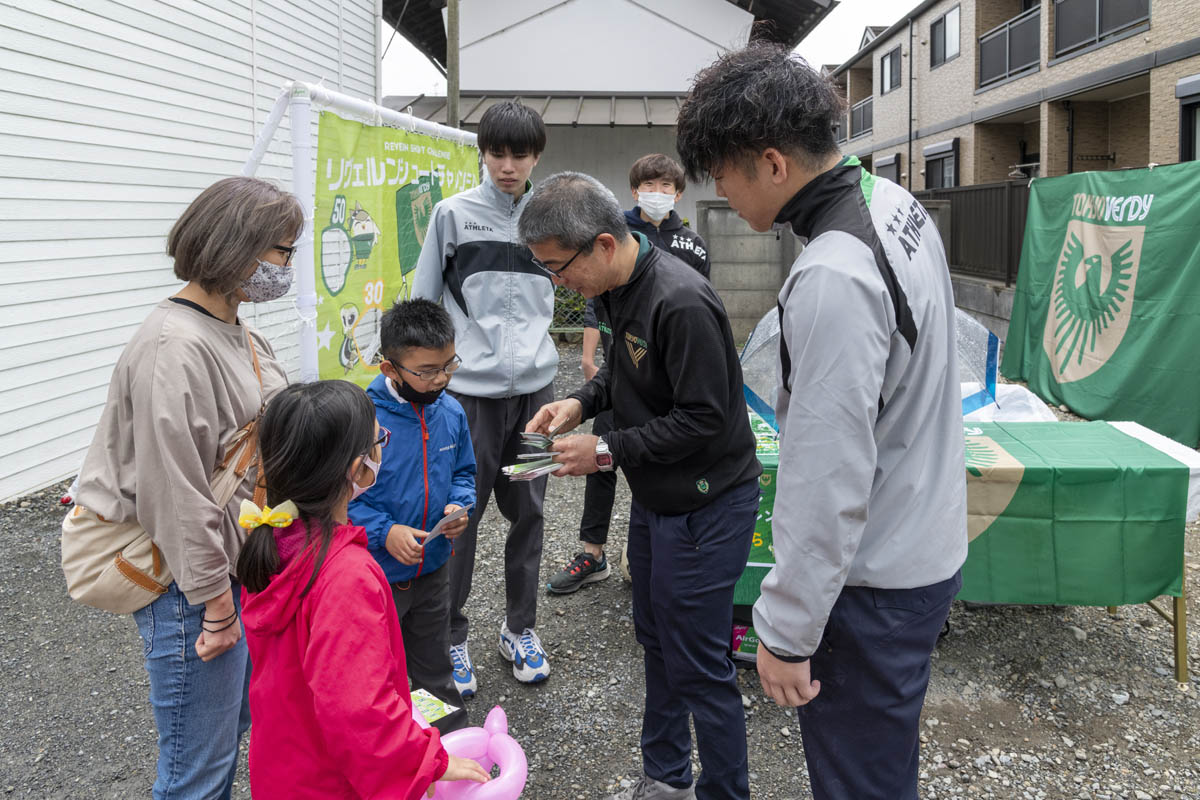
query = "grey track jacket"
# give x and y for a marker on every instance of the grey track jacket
(501, 304)
(871, 489)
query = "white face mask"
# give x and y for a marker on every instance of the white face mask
(370, 464)
(656, 205)
(269, 282)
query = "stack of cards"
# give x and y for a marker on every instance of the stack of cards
(534, 465)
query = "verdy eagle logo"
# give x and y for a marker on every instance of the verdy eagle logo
(1091, 297)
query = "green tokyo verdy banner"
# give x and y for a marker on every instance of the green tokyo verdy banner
(1106, 314)
(375, 191)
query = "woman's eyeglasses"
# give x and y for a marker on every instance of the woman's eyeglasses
(288, 252)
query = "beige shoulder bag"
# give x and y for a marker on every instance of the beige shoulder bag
(114, 566)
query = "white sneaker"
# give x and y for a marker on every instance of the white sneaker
(464, 670)
(526, 653)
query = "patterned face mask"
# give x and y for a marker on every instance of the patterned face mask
(269, 282)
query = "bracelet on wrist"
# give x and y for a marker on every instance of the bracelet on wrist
(222, 619)
(223, 627)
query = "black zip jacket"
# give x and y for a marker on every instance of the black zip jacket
(672, 236)
(681, 432)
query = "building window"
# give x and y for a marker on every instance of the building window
(889, 167)
(1079, 23)
(889, 71)
(941, 164)
(943, 38)
(1188, 92)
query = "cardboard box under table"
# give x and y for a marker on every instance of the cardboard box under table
(1066, 513)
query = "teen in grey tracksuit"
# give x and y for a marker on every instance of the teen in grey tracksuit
(502, 306)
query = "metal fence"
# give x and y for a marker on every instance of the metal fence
(1010, 47)
(569, 308)
(982, 226)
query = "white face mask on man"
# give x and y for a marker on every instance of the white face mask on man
(656, 205)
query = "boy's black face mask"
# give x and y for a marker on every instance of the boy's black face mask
(413, 396)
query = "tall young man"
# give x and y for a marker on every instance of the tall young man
(870, 506)
(682, 436)
(656, 182)
(501, 305)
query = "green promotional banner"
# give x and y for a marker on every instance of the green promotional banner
(375, 191)
(1074, 513)
(1107, 306)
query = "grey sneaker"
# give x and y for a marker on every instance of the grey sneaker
(650, 789)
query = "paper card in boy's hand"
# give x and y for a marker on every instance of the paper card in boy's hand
(445, 521)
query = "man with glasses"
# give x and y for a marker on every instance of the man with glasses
(682, 436)
(501, 306)
(427, 473)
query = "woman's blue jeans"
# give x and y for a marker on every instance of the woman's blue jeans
(201, 709)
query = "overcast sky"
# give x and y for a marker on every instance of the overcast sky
(407, 72)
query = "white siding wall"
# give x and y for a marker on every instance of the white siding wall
(594, 45)
(114, 115)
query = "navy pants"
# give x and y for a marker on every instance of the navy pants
(861, 732)
(684, 568)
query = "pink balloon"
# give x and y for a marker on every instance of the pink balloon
(488, 745)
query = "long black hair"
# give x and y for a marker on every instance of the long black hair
(309, 437)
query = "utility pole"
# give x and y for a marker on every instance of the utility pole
(452, 118)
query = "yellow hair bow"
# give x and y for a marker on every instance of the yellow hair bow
(251, 516)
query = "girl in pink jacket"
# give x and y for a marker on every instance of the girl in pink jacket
(329, 693)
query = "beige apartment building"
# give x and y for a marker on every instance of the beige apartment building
(964, 92)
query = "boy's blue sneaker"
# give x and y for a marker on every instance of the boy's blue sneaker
(464, 670)
(526, 653)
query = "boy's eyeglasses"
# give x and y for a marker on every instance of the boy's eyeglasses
(554, 273)
(288, 252)
(431, 374)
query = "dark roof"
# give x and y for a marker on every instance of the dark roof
(556, 108)
(882, 37)
(783, 21)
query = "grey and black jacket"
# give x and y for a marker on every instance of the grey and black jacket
(870, 488)
(500, 302)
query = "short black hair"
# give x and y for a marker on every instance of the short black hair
(513, 127)
(415, 323)
(657, 166)
(761, 96)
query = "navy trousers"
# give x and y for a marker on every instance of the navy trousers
(861, 732)
(684, 568)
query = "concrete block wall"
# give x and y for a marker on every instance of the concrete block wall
(748, 268)
(1164, 107)
(1129, 131)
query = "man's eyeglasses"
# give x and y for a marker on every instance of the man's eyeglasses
(554, 273)
(288, 252)
(431, 374)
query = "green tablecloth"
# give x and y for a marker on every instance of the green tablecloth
(1072, 513)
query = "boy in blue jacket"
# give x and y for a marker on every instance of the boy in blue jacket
(427, 472)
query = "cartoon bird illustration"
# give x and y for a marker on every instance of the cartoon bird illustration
(364, 235)
(1086, 300)
(348, 354)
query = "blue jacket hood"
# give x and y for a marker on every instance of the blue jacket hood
(418, 476)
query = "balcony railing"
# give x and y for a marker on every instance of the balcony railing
(1079, 23)
(839, 129)
(1010, 47)
(861, 118)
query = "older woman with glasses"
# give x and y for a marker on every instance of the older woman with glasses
(192, 379)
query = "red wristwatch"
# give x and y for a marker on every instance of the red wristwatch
(604, 459)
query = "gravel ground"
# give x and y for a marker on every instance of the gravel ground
(1025, 702)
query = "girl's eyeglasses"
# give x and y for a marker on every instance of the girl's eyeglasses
(385, 436)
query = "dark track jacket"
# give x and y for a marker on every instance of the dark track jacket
(681, 433)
